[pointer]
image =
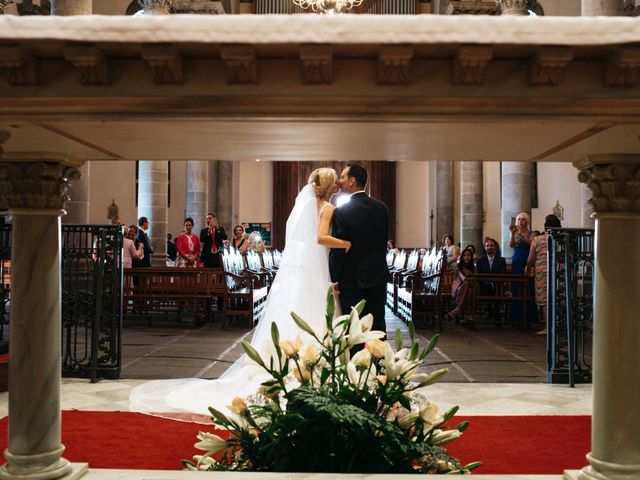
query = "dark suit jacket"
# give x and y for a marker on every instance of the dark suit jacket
(499, 265)
(143, 238)
(206, 240)
(364, 221)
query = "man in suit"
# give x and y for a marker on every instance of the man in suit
(491, 262)
(362, 272)
(212, 239)
(143, 239)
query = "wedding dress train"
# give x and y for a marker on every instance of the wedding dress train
(300, 285)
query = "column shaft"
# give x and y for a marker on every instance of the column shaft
(78, 205)
(444, 199)
(152, 203)
(224, 194)
(197, 192)
(516, 197)
(71, 7)
(611, 8)
(471, 203)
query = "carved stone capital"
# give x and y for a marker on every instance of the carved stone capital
(473, 7)
(165, 62)
(622, 68)
(21, 66)
(241, 63)
(156, 7)
(393, 64)
(548, 64)
(316, 63)
(35, 185)
(26, 8)
(91, 62)
(614, 181)
(470, 64)
(513, 7)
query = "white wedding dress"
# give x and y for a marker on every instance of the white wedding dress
(300, 285)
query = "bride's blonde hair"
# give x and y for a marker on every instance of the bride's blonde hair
(322, 179)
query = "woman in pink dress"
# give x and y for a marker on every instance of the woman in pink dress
(188, 245)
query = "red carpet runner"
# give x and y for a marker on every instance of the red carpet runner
(519, 444)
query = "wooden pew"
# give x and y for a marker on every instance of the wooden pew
(399, 265)
(422, 297)
(172, 291)
(244, 294)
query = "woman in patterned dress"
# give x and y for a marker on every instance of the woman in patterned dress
(538, 259)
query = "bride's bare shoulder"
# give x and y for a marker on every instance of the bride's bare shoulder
(325, 207)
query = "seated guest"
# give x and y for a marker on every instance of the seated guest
(188, 245)
(172, 250)
(453, 251)
(491, 262)
(464, 267)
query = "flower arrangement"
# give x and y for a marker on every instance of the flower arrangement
(326, 410)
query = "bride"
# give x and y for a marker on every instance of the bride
(301, 286)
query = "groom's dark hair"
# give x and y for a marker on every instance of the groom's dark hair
(359, 173)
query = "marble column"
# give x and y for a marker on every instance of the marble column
(34, 187)
(153, 182)
(444, 200)
(471, 204)
(615, 442)
(71, 7)
(513, 7)
(610, 8)
(197, 192)
(223, 194)
(78, 205)
(516, 197)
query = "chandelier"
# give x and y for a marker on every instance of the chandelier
(328, 6)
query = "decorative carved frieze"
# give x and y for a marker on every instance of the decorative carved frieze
(35, 185)
(91, 62)
(614, 181)
(470, 64)
(473, 7)
(622, 68)
(241, 64)
(21, 66)
(199, 7)
(316, 64)
(165, 62)
(548, 64)
(513, 7)
(393, 64)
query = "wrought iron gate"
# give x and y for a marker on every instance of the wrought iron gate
(91, 267)
(570, 273)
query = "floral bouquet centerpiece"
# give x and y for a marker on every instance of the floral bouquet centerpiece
(324, 410)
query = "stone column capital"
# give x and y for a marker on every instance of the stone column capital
(614, 181)
(156, 7)
(513, 7)
(35, 185)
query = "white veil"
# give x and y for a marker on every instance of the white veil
(300, 285)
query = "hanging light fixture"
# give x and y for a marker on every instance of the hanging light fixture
(328, 6)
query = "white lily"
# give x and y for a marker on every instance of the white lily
(210, 443)
(397, 365)
(362, 358)
(443, 437)
(359, 330)
(358, 377)
(408, 420)
(430, 415)
(203, 462)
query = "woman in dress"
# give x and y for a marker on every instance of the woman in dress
(300, 285)
(538, 260)
(453, 251)
(188, 245)
(520, 238)
(464, 267)
(239, 240)
(129, 248)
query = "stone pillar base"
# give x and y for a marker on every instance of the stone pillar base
(25, 467)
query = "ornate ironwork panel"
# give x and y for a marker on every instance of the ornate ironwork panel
(91, 300)
(91, 267)
(570, 273)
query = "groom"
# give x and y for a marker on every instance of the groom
(362, 272)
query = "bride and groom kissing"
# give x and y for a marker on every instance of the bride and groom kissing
(324, 245)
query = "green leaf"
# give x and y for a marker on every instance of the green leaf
(398, 336)
(324, 375)
(405, 401)
(252, 353)
(450, 413)
(433, 377)
(414, 351)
